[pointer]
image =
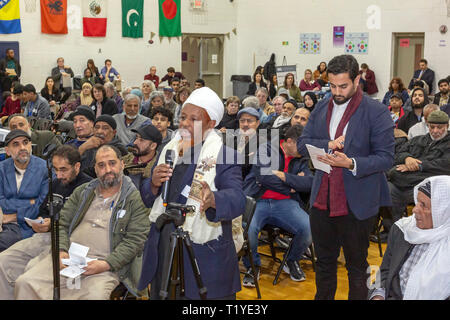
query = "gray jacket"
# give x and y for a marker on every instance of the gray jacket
(40, 108)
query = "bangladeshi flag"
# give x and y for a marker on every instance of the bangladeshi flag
(94, 18)
(169, 18)
(54, 16)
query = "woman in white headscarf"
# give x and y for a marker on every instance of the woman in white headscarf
(416, 264)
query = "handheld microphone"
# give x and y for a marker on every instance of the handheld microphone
(166, 184)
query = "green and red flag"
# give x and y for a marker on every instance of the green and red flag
(169, 18)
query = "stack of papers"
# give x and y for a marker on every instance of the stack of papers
(314, 152)
(77, 261)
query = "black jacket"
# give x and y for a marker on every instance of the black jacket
(88, 158)
(61, 193)
(407, 121)
(56, 75)
(229, 121)
(109, 106)
(435, 157)
(56, 94)
(270, 68)
(3, 68)
(397, 252)
(252, 87)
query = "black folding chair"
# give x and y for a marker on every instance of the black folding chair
(273, 233)
(250, 206)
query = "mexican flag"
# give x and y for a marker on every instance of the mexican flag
(94, 18)
(132, 18)
(169, 18)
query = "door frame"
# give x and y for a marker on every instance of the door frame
(395, 37)
(205, 36)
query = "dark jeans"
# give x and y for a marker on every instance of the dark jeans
(65, 94)
(9, 235)
(329, 235)
(400, 199)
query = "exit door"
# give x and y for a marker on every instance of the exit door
(408, 50)
(202, 57)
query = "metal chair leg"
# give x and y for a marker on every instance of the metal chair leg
(252, 265)
(378, 236)
(313, 256)
(282, 263)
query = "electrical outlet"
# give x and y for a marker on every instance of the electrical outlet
(99, 50)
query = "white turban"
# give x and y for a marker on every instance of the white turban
(207, 99)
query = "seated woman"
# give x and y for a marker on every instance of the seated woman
(273, 87)
(50, 93)
(147, 88)
(294, 91)
(416, 262)
(310, 100)
(88, 77)
(395, 86)
(94, 71)
(229, 120)
(256, 84)
(308, 83)
(12, 103)
(156, 100)
(85, 98)
(368, 80)
(320, 75)
(181, 97)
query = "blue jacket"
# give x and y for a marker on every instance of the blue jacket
(256, 182)
(34, 186)
(387, 97)
(370, 140)
(217, 259)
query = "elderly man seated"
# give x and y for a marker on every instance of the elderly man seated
(104, 133)
(23, 187)
(129, 120)
(417, 259)
(421, 157)
(39, 138)
(83, 123)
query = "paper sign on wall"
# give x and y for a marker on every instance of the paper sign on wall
(404, 43)
(310, 43)
(357, 43)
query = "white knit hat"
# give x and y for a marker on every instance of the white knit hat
(207, 99)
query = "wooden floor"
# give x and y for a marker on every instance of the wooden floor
(286, 289)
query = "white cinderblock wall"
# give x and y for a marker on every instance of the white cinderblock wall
(261, 26)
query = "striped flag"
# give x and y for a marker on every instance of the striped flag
(10, 16)
(94, 18)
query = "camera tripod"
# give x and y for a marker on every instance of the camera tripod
(173, 265)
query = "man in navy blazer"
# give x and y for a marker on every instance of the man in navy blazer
(358, 134)
(23, 187)
(423, 73)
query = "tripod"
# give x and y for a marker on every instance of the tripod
(174, 263)
(54, 223)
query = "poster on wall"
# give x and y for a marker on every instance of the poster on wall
(357, 43)
(310, 43)
(338, 36)
(283, 70)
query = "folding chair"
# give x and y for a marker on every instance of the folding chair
(250, 206)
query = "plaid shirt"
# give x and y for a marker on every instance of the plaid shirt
(405, 271)
(410, 263)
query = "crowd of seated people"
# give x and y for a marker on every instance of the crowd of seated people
(126, 131)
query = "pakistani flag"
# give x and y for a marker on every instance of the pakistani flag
(132, 18)
(169, 18)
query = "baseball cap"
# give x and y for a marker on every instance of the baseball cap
(149, 132)
(249, 110)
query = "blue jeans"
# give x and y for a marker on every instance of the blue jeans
(285, 214)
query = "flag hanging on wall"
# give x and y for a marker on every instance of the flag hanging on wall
(132, 18)
(10, 16)
(53, 16)
(169, 18)
(94, 18)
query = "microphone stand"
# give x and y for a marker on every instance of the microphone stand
(54, 225)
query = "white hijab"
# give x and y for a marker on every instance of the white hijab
(430, 278)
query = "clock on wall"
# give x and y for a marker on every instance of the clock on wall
(443, 29)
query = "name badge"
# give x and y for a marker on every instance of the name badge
(186, 191)
(121, 213)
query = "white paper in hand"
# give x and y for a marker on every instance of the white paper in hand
(313, 153)
(30, 222)
(72, 272)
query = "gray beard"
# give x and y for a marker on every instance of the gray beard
(111, 183)
(442, 137)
